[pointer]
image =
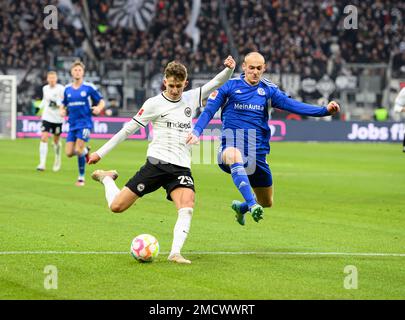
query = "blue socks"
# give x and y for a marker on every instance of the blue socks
(241, 181)
(81, 161)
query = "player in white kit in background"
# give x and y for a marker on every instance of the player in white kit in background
(52, 96)
(168, 157)
(400, 107)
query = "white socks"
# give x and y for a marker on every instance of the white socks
(181, 229)
(56, 148)
(111, 189)
(58, 159)
(43, 152)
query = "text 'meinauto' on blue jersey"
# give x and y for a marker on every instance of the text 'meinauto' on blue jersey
(79, 102)
(245, 107)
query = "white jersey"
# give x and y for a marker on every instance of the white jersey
(400, 101)
(171, 121)
(51, 100)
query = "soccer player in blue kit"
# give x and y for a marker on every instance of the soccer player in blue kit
(245, 132)
(79, 98)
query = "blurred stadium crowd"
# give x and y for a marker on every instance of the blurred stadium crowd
(303, 37)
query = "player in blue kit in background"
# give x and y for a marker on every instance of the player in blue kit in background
(245, 137)
(79, 98)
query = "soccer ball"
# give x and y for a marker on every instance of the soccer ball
(145, 248)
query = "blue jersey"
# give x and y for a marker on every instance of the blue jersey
(79, 102)
(245, 107)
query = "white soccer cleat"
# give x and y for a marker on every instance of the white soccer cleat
(80, 182)
(41, 167)
(99, 175)
(178, 258)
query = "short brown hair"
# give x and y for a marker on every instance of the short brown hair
(176, 70)
(77, 63)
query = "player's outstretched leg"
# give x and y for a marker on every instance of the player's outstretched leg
(240, 209)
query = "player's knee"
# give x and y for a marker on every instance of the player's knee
(117, 208)
(69, 153)
(232, 155)
(79, 151)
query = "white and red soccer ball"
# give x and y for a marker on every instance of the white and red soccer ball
(145, 248)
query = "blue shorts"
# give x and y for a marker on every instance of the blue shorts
(257, 169)
(82, 134)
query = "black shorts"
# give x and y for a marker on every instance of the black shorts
(155, 174)
(54, 128)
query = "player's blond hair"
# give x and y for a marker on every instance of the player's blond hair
(78, 63)
(51, 73)
(176, 70)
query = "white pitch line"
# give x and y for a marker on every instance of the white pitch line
(352, 254)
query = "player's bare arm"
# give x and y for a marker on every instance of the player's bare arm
(62, 111)
(94, 158)
(230, 62)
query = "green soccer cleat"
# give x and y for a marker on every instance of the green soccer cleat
(240, 217)
(256, 212)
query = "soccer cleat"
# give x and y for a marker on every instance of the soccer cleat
(178, 258)
(40, 168)
(256, 212)
(80, 182)
(240, 217)
(403, 149)
(99, 175)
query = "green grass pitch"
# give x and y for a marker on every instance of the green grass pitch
(329, 198)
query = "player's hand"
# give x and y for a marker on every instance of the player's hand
(94, 158)
(192, 139)
(230, 63)
(96, 110)
(333, 107)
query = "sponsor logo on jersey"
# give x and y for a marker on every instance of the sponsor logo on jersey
(243, 106)
(213, 95)
(140, 112)
(83, 93)
(179, 125)
(261, 91)
(238, 91)
(187, 112)
(140, 187)
(76, 103)
(163, 115)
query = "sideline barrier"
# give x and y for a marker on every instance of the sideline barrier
(282, 130)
